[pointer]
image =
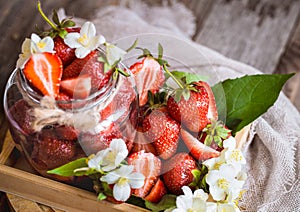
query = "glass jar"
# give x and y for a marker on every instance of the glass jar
(51, 133)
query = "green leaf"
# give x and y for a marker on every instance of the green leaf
(197, 175)
(186, 93)
(160, 51)
(55, 18)
(132, 46)
(189, 77)
(168, 201)
(101, 196)
(242, 100)
(67, 170)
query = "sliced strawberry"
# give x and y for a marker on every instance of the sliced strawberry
(150, 166)
(212, 108)
(44, 71)
(157, 192)
(91, 66)
(163, 131)
(197, 149)
(149, 76)
(178, 172)
(78, 88)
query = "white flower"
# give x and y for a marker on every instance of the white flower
(222, 182)
(34, 45)
(229, 155)
(25, 55)
(191, 201)
(124, 179)
(117, 153)
(111, 157)
(114, 53)
(39, 45)
(216, 207)
(85, 41)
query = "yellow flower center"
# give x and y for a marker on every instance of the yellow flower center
(122, 181)
(41, 45)
(217, 165)
(236, 155)
(223, 183)
(82, 39)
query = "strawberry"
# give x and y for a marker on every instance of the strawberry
(197, 149)
(65, 53)
(212, 108)
(20, 112)
(91, 66)
(141, 143)
(192, 112)
(92, 143)
(148, 76)
(157, 192)
(50, 151)
(177, 172)
(44, 71)
(163, 131)
(147, 164)
(78, 88)
(66, 133)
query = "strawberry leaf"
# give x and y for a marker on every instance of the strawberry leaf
(240, 101)
(67, 170)
(168, 201)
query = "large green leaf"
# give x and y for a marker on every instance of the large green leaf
(68, 169)
(242, 100)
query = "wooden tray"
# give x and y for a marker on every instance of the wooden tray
(21, 181)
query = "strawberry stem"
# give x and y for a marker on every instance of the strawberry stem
(45, 17)
(173, 77)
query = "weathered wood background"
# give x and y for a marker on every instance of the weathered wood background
(262, 33)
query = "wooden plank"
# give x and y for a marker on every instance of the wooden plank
(290, 63)
(7, 148)
(256, 36)
(55, 194)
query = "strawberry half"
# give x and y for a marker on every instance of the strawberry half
(178, 172)
(77, 88)
(150, 166)
(157, 192)
(197, 149)
(44, 71)
(149, 76)
(163, 131)
(212, 107)
(91, 66)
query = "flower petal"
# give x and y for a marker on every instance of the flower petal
(183, 202)
(110, 178)
(35, 38)
(187, 191)
(217, 193)
(95, 42)
(89, 29)
(82, 52)
(121, 193)
(71, 39)
(199, 193)
(125, 170)
(136, 180)
(49, 44)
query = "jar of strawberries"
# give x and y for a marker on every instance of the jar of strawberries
(69, 96)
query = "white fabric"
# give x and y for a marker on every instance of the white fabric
(272, 150)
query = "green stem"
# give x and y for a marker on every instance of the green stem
(44, 16)
(173, 77)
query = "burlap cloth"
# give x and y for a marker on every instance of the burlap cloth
(272, 149)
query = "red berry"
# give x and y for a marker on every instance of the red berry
(157, 192)
(44, 71)
(163, 131)
(150, 166)
(77, 88)
(197, 149)
(50, 151)
(91, 66)
(149, 76)
(178, 172)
